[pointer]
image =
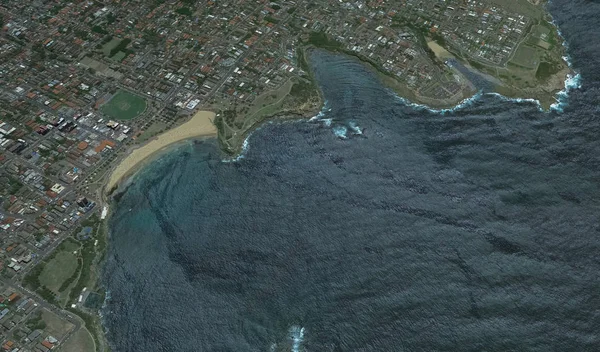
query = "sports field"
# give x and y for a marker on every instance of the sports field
(124, 106)
(58, 269)
(526, 57)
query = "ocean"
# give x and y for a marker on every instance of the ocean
(375, 226)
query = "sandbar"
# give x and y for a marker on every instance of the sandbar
(200, 125)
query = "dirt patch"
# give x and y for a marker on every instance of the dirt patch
(80, 341)
(439, 51)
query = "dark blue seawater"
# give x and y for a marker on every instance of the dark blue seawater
(473, 230)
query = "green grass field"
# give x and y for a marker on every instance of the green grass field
(526, 57)
(58, 269)
(106, 48)
(124, 106)
(266, 104)
(153, 130)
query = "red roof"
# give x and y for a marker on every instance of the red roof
(47, 344)
(13, 297)
(103, 145)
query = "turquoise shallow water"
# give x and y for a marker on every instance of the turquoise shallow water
(378, 227)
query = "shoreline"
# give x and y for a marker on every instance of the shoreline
(408, 94)
(547, 95)
(200, 125)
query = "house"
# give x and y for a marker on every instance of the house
(103, 145)
(47, 344)
(34, 335)
(8, 345)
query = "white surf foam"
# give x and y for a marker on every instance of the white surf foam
(341, 132)
(572, 82)
(321, 113)
(297, 336)
(462, 104)
(355, 128)
(326, 122)
(242, 154)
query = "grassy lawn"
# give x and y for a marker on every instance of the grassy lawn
(234, 125)
(265, 105)
(55, 325)
(80, 341)
(527, 57)
(58, 269)
(118, 56)
(124, 106)
(106, 48)
(270, 97)
(152, 130)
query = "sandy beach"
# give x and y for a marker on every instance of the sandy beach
(200, 125)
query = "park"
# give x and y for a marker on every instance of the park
(124, 106)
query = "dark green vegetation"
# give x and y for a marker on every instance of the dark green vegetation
(94, 301)
(303, 90)
(11, 185)
(124, 106)
(546, 70)
(36, 322)
(122, 46)
(32, 281)
(322, 40)
(99, 30)
(72, 278)
(271, 19)
(52, 265)
(184, 11)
